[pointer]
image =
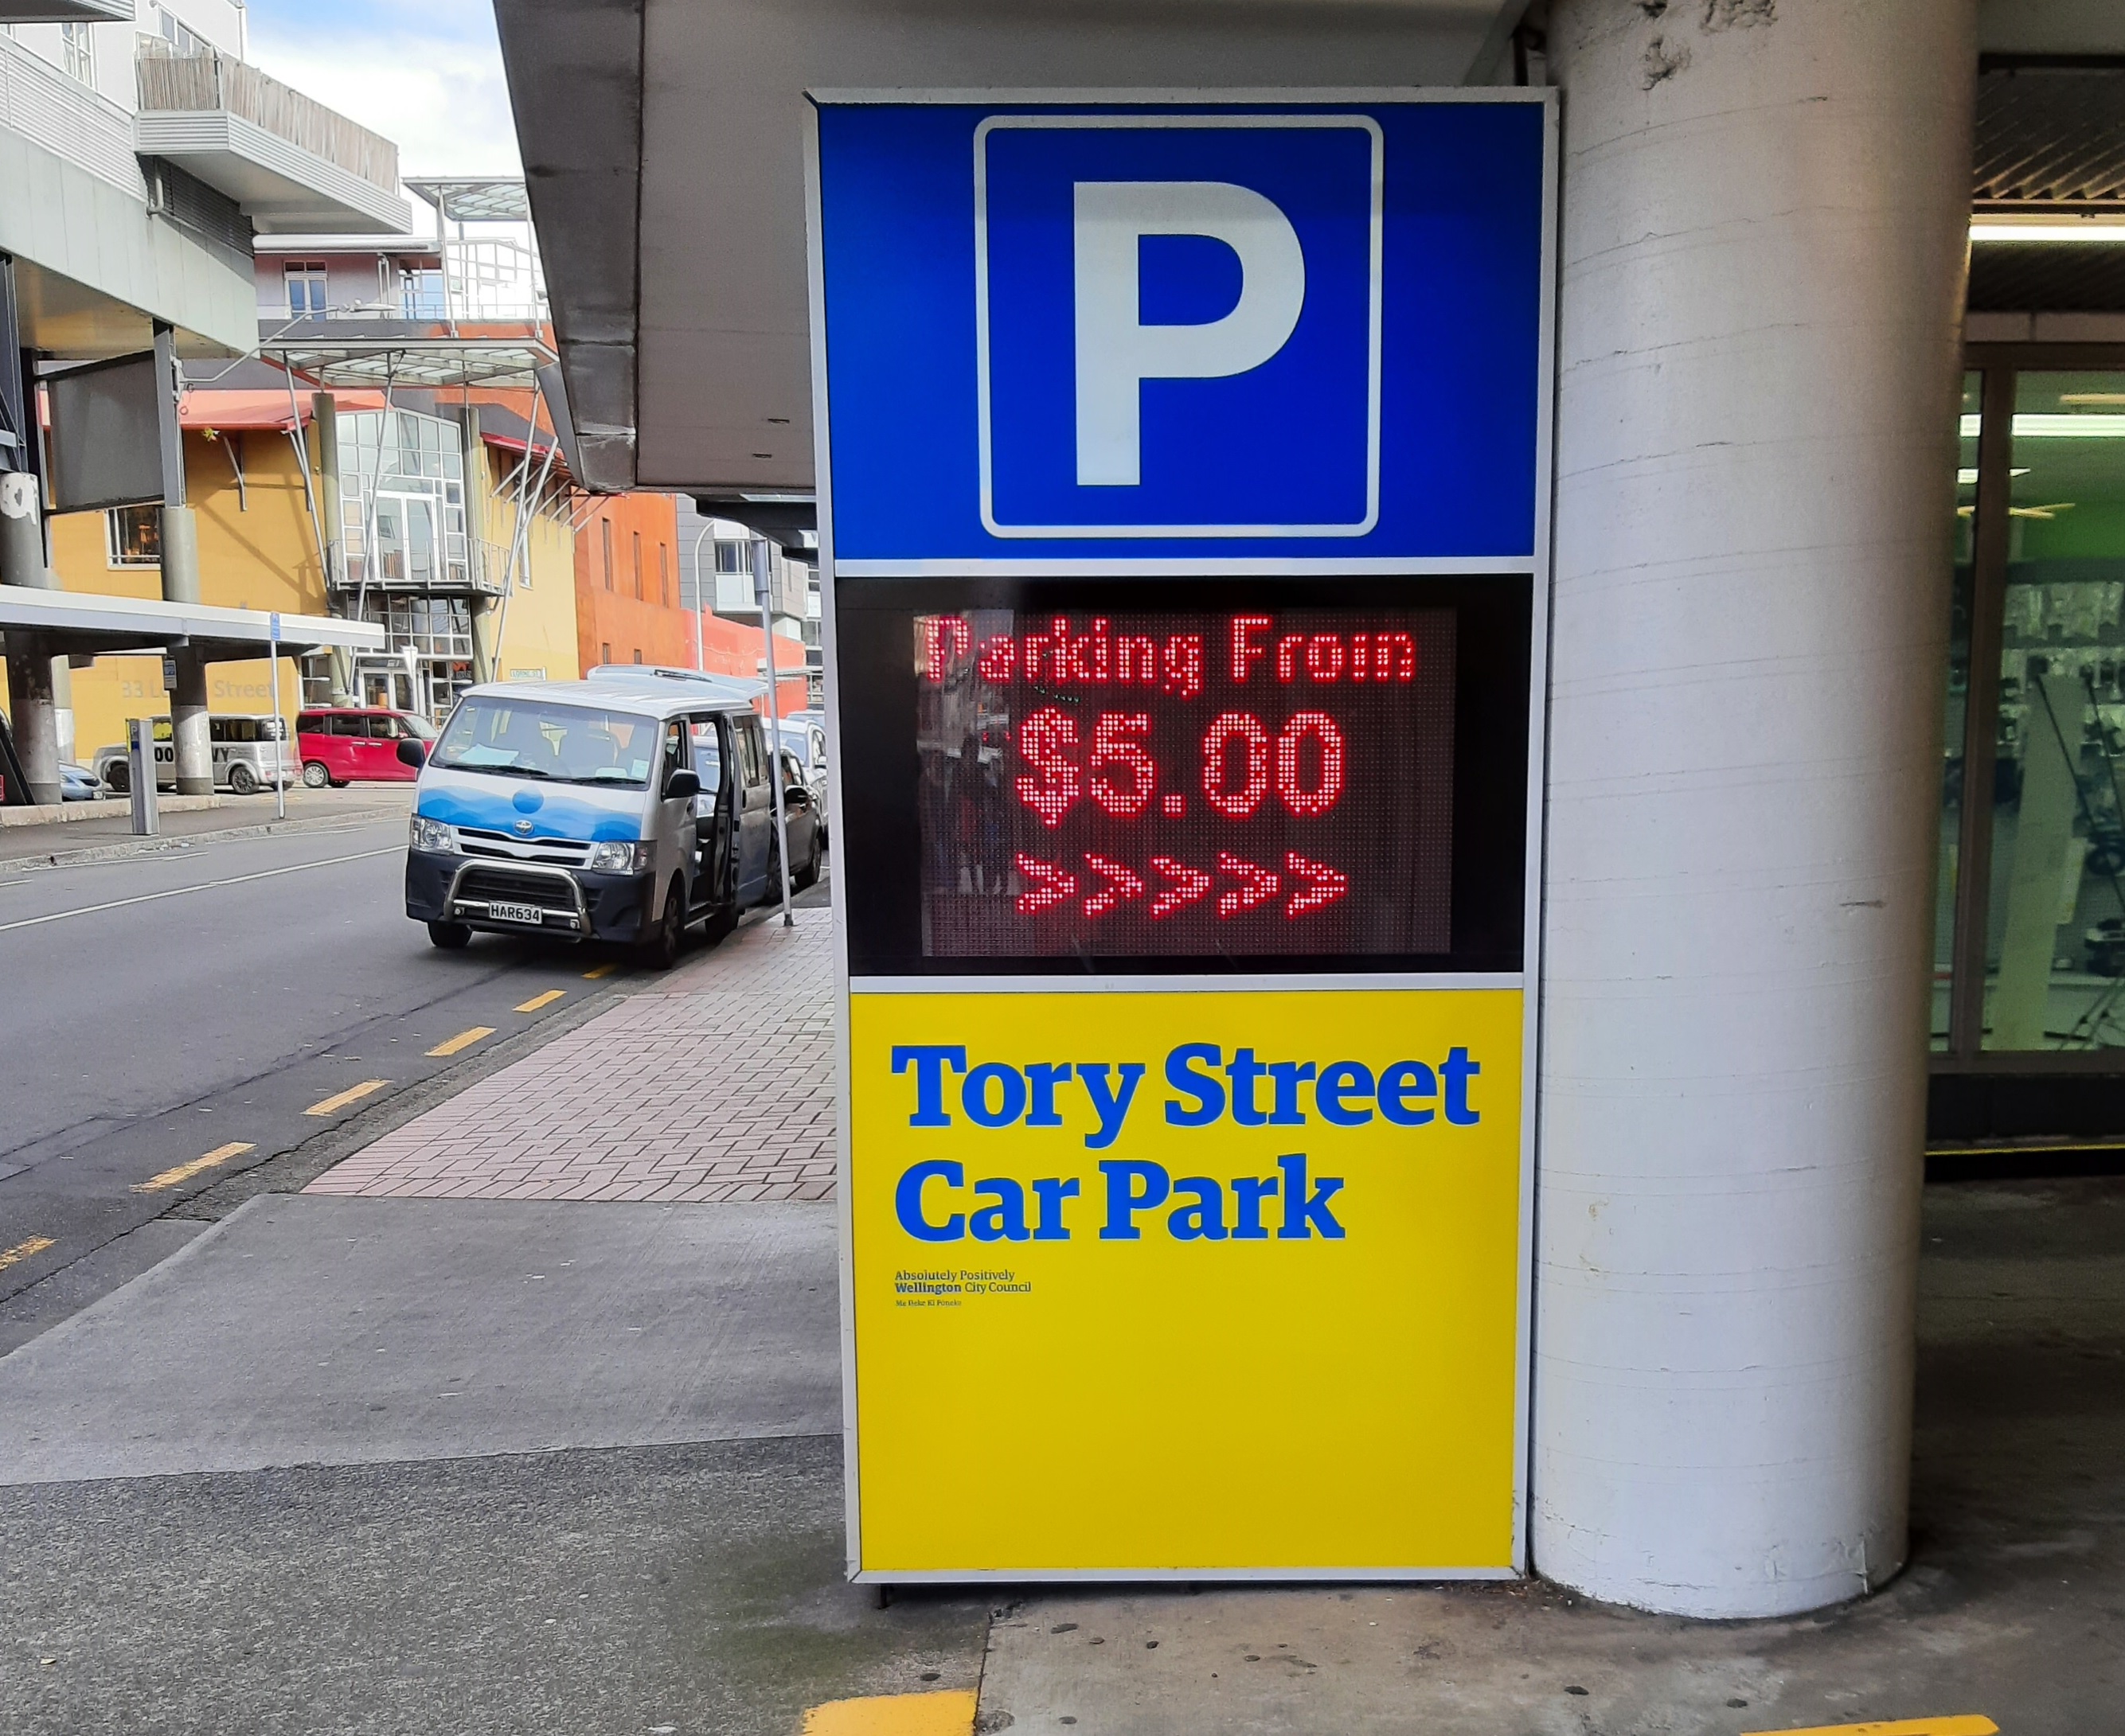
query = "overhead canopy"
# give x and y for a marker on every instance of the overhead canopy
(664, 152)
(235, 411)
(72, 622)
(492, 200)
(435, 363)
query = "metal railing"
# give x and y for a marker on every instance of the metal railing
(171, 82)
(67, 118)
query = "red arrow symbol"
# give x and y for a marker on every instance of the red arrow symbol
(1189, 885)
(1257, 884)
(1325, 885)
(1122, 885)
(1051, 885)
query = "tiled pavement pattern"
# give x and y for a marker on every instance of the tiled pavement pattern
(716, 1084)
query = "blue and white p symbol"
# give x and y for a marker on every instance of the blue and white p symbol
(1116, 352)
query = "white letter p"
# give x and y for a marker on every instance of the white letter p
(1116, 352)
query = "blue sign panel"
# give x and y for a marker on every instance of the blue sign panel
(1261, 337)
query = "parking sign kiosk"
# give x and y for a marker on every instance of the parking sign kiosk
(1184, 476)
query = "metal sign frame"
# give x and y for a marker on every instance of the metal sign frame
(1535, 567)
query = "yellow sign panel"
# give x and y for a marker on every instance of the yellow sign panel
(1186, 1282)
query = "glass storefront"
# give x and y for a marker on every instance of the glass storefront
(2030, 957)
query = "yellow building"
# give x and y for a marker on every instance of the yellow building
(427, 537)
(258, 548)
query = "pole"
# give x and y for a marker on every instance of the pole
(760, 591)
(279, 723)
(700, 660)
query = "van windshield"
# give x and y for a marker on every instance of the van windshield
(564, 744)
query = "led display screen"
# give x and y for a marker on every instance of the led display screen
(1162, 775)
(1212, 782)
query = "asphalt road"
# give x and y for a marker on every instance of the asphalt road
(182, 1017)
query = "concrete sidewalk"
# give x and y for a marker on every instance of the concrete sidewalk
(102, 832)
(717, 1086)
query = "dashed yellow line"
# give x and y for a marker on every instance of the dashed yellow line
(603, 970)
(949, 1714)
(1966, 1723)
(186, 1172)
(463, 1040)
(353, 1094)
(21, 1251)
(546, 999)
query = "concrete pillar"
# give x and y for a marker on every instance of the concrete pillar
(1764, 209)
(188, 722)
(33, 716)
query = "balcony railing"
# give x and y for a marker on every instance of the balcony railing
(171, 82)
(67, 118)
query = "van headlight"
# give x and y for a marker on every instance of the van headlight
(615, 857)
(433, 835)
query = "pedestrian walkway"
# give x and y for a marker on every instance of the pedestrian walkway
(89, 831)
(716, 1086)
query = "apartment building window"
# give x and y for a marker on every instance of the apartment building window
(733, 556)
(77, 52)
(664, 575)
(637, 571)
(306, 289)
(134, 535)
(604, 536)
(186, 41)
(421, 294)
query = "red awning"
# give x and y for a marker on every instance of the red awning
(233, 412)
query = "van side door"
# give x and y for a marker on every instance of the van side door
(714, 813)
(755, 809)
(673, 815)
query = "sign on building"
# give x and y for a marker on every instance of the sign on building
(1183, 517)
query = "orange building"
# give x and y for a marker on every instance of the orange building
(628, 607)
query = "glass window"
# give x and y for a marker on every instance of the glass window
(134, 535)
(2055, 946)
(565, 744)
(1958, 693)
(77, 52)
(733, 556)
(708, 754)
(306, 290)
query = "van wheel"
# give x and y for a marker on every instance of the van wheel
(450, 936)
(314, 775)
(120, 777)
(243, 781)
(661, 952)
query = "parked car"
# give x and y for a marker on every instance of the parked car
(246, 749)
(357, 745)
(79, 783)
(805, 736)
(626, 808)
(801, 818)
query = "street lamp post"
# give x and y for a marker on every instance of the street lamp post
(762, 585)
(700, 661)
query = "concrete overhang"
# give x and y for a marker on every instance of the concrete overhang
(66, 12)
(663, 141)
(79, 623)
(278, 184)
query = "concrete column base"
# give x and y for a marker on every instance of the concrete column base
(189, 728)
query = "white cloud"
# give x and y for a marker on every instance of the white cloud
(444, 102)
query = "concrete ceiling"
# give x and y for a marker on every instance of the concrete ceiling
(663, 144)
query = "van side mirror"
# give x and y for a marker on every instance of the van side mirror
(413, 751)
(796, 797)
(683, 784)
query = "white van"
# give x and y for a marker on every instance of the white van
(627, 807)
(247, 753)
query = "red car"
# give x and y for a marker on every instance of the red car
(357, 746)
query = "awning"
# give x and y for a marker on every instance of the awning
(244, 411)
(77, 624)
(437, 363)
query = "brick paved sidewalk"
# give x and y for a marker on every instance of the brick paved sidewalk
(716, 1084)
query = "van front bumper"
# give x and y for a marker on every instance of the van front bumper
(574, 904)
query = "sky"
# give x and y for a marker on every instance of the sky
(425, 73)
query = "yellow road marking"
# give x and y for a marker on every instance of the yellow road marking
(21, 1251)
(353, 1094)
(895, 1715)
(463, 1040)
(1966, 1723)
(186, 1172)
(546, 999)
(603, 970)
